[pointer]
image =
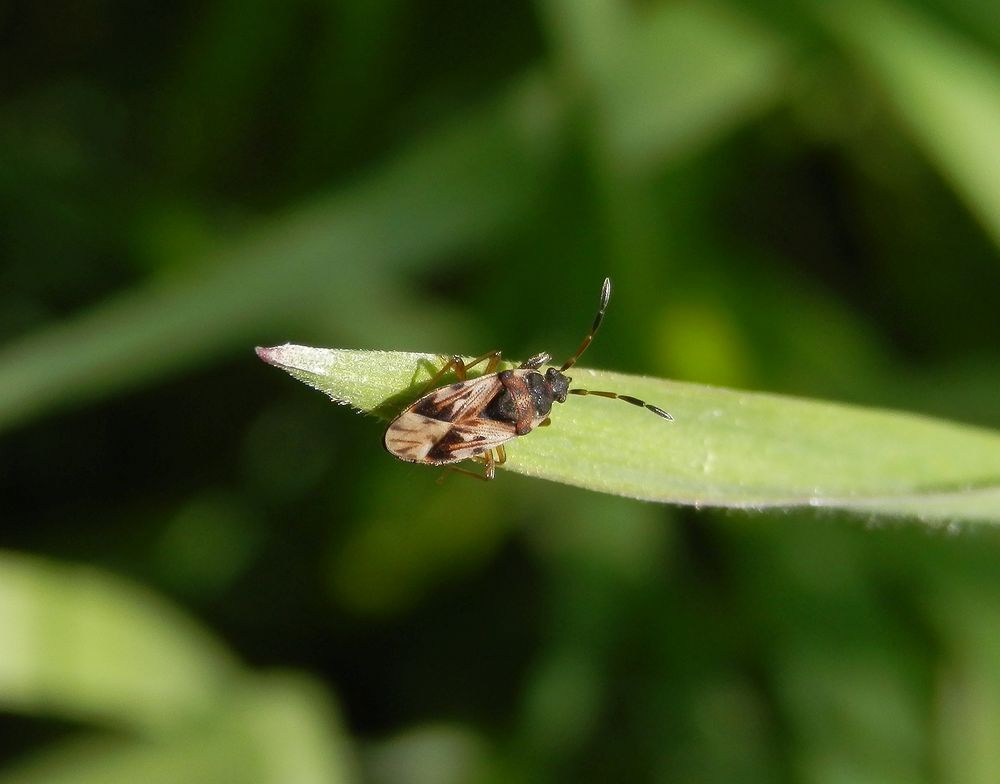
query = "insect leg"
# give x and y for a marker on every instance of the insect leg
(627, 398)
(492, 364)
(489, 467)
(455, 469)
(461, 369)
(490, 470)
(535, 362)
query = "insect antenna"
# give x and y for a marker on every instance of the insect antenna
(627, 398)
(605, 296)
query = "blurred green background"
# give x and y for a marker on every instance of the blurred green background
(210, 574)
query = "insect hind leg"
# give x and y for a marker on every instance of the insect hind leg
(489, 467)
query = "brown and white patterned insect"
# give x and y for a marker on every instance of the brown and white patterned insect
(473, 419)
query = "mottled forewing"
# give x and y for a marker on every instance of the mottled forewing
(446, 426)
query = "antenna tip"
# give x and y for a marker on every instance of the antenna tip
(605, 291)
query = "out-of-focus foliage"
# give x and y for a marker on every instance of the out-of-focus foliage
(211, 575)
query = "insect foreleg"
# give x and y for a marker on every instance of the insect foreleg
(535, 362)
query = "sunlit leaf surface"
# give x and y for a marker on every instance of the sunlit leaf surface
(724, 447)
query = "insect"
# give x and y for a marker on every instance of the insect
(473, 419)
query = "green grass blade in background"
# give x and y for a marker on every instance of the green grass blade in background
(77, 643)
(734, 71)
(272, 730)
(725, 448)
(945, 89)
(450, 190)
(453, 189)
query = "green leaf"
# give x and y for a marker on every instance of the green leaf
(277, 728)
(81, 644)
(724, 448)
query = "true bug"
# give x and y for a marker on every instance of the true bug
(473, 419)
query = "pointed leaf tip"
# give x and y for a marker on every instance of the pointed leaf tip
(728, 447)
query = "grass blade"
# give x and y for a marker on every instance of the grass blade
(447, 191)
(81, 644)
(275, 728)
(725, 448)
